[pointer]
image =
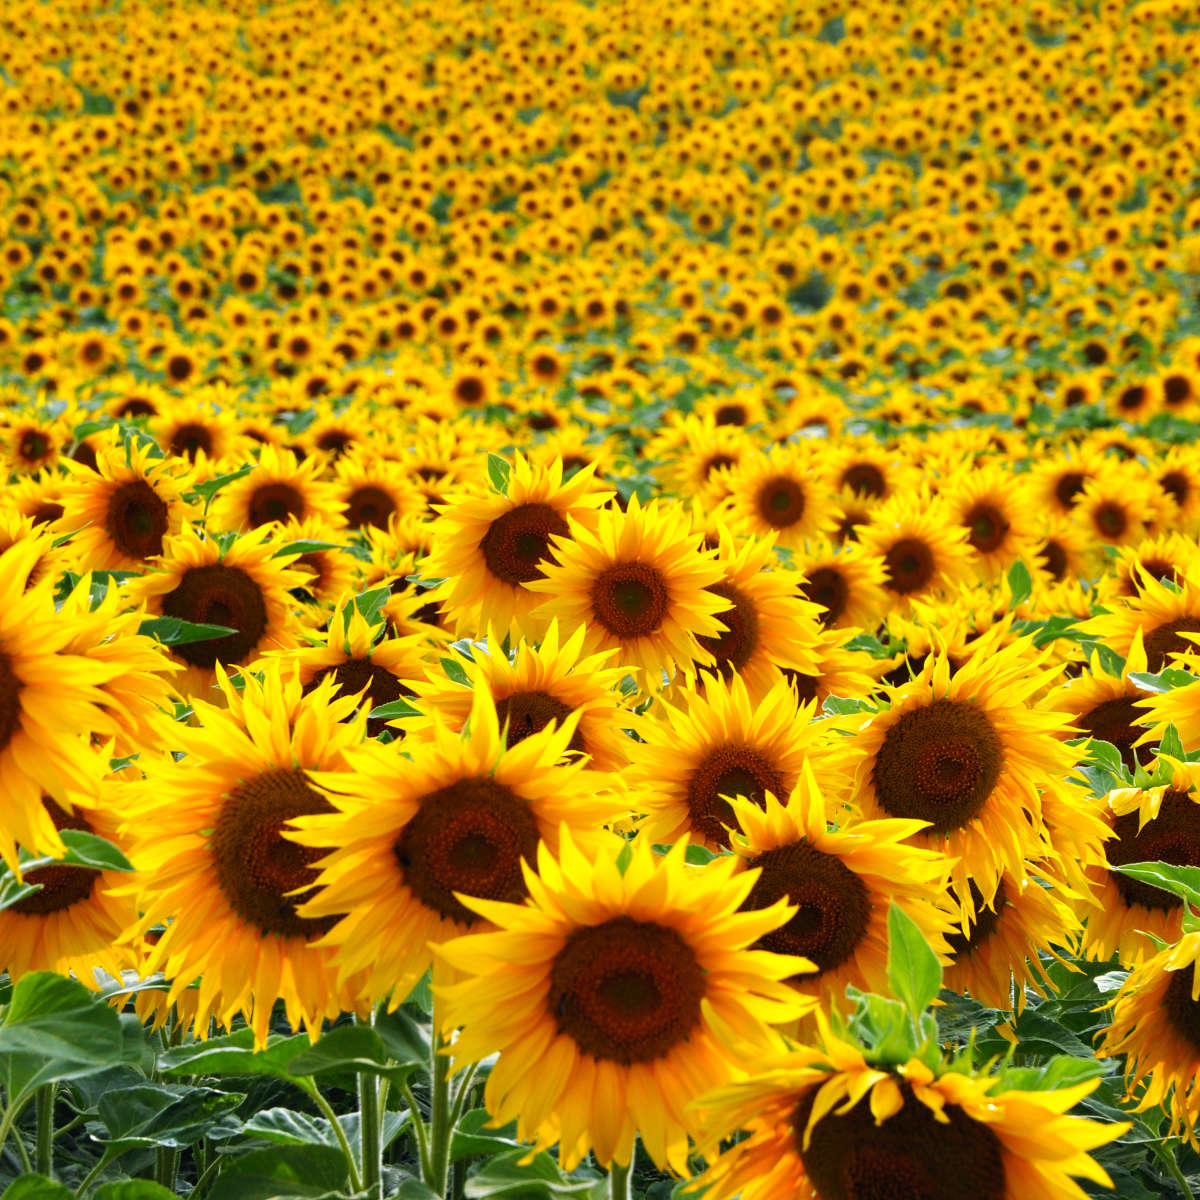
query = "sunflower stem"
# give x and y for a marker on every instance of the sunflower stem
(166, 1167)
(370, 1141)
(440, 1125)
(44, 1148)
(620, 1180)
(1166, 1155)
(307, 1085)
(419, 1131)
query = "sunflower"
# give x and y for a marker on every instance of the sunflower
(990, 503)
(200, 429)
(490, 546)
(78, 920)
(374, 491)
(967, 753)
(998, 952)
(353, 653)
(414, 838)
(16, 527)
(826, 1123)
(241, 584)
(638, 583)
(1056, 482)
(700, 748)
(922, 549)
(1163, 612)
(1155, 1026)
(1115, 510)
(330, 568)
(206, 837)
(120, 512)
(867, 470)
(1160, 824)
(540, 684)
(31, 445)
(277, 489)
(1166, 556)
(847, 582)
(699, 456)
(1177, 474)
(619, 989)
(842, 882)
(778, 493)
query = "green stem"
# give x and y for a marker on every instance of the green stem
(307, 1086)
(440, 1126)
(369, 1134)
(1166, 1155)
(418, 1128)
(620, 1180)
(460, 1096)
(166, 1167)
(6, 1127)
(44, 1151)
(81, 1190)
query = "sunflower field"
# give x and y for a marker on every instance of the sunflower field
(599, 599)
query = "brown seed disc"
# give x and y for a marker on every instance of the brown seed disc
(1115, 721)
(369, 506)
(987, 527)
(626, 991)
(865, 479)
(190, 440)
(827, 587)
(630, 599)
(33, 447)
(218, 595)
(910, 566)
(987, 918)
(729, 771)
(1054, 560)
(62, 887)
(1171, 837)
(256, 865)
(528, 713)
(910, 1156)
(1165, 639)
(276, 502)
(136, 520)
(517, 544)
(833, 904)
(1110, 519)
(1182, 1011)
(1068, 487)
(781, 501)
(734, 648)
(10, 700)
(355, 674)
(938, 763)
(470, 837)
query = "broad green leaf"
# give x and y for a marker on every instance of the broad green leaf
(406, 1040)
(234, 1054)
(914, 973)
(155, 1114)
(394, 710)
(498, 473)
(133, 1189)
(370, 603)
(172, 631)
(278, 1171)
(1164, 681)
(347, 1049)
(1181, 881)
(36, 1187)
(505, 1175)
(288, 1128)
(472, 1138)
(1020, 583)
(1171, 745)
(87, 850)
(303, 547)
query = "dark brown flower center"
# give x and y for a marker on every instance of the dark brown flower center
(1177, 485)
(1110, 519)
(910, 1156)
(190, 440)
(938, 763)
(471, 838)
(136, 519)
(10, 700)
(528, 713)
(369, 505)
(1115, 721)
(734, 648)
(987, 527)
(1165, 639)
(1182, 1011)
(256, 865)
(626, 991)
(33, 446)
(781, 501)
(276, 502)
(1054, 559)
(1068, 487)
(729, 771)
(910, 566)
(987, 917)
(517, 543)
(865, 479)
(1171, 837)
(217, 594)
(630, 599)
(61, 887)
(833, 904)
(827, 587)
(353, 675)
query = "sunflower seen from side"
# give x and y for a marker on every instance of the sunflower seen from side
(206, 834)
(620, 988)
(827, 1124)
(413, 837)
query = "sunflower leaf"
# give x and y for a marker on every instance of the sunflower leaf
(1179, 881)
(498, 472)
(914, 973)
(394, 710)
(133, 1189)
(370, 603)
(1164, 681)
(171, 631)
(1020, 583)
(36, 1187)
(87, 850)
(303, 547)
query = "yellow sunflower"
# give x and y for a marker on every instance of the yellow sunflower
(206, 836)
(696, 750)
(1060, 550)
(1164, 612)
(414, 838)
(241, 584)
(778, 492)
(540, 684)
(847, 582)
(119, 513)
(1155, 1027)
(842, 882)
(967, 753)
(991, 504)
(489, 546)
(638, 583)
(374, 491)
(618, 989)
(277, 490)
(1165, 556)
(826, 1123)
(330, 570)
(16, 527)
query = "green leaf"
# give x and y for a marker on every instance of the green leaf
(498, 473)
(172, 1115)
(1020, 583)
(472, 1138)
(36, 1187)
(394, 710)
(303, 547)
(87, 850)
(133, 1189)
(1180, 881)
(370, 603)
(207, 490)
(505, 1175)
(276, 1172)
(456, 671)
(288, 1128)
(1171, 745)
(914, 973)
(234, 1054)
(171, 631)
(349, 1049)
(1164, 681)
(841, 706)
